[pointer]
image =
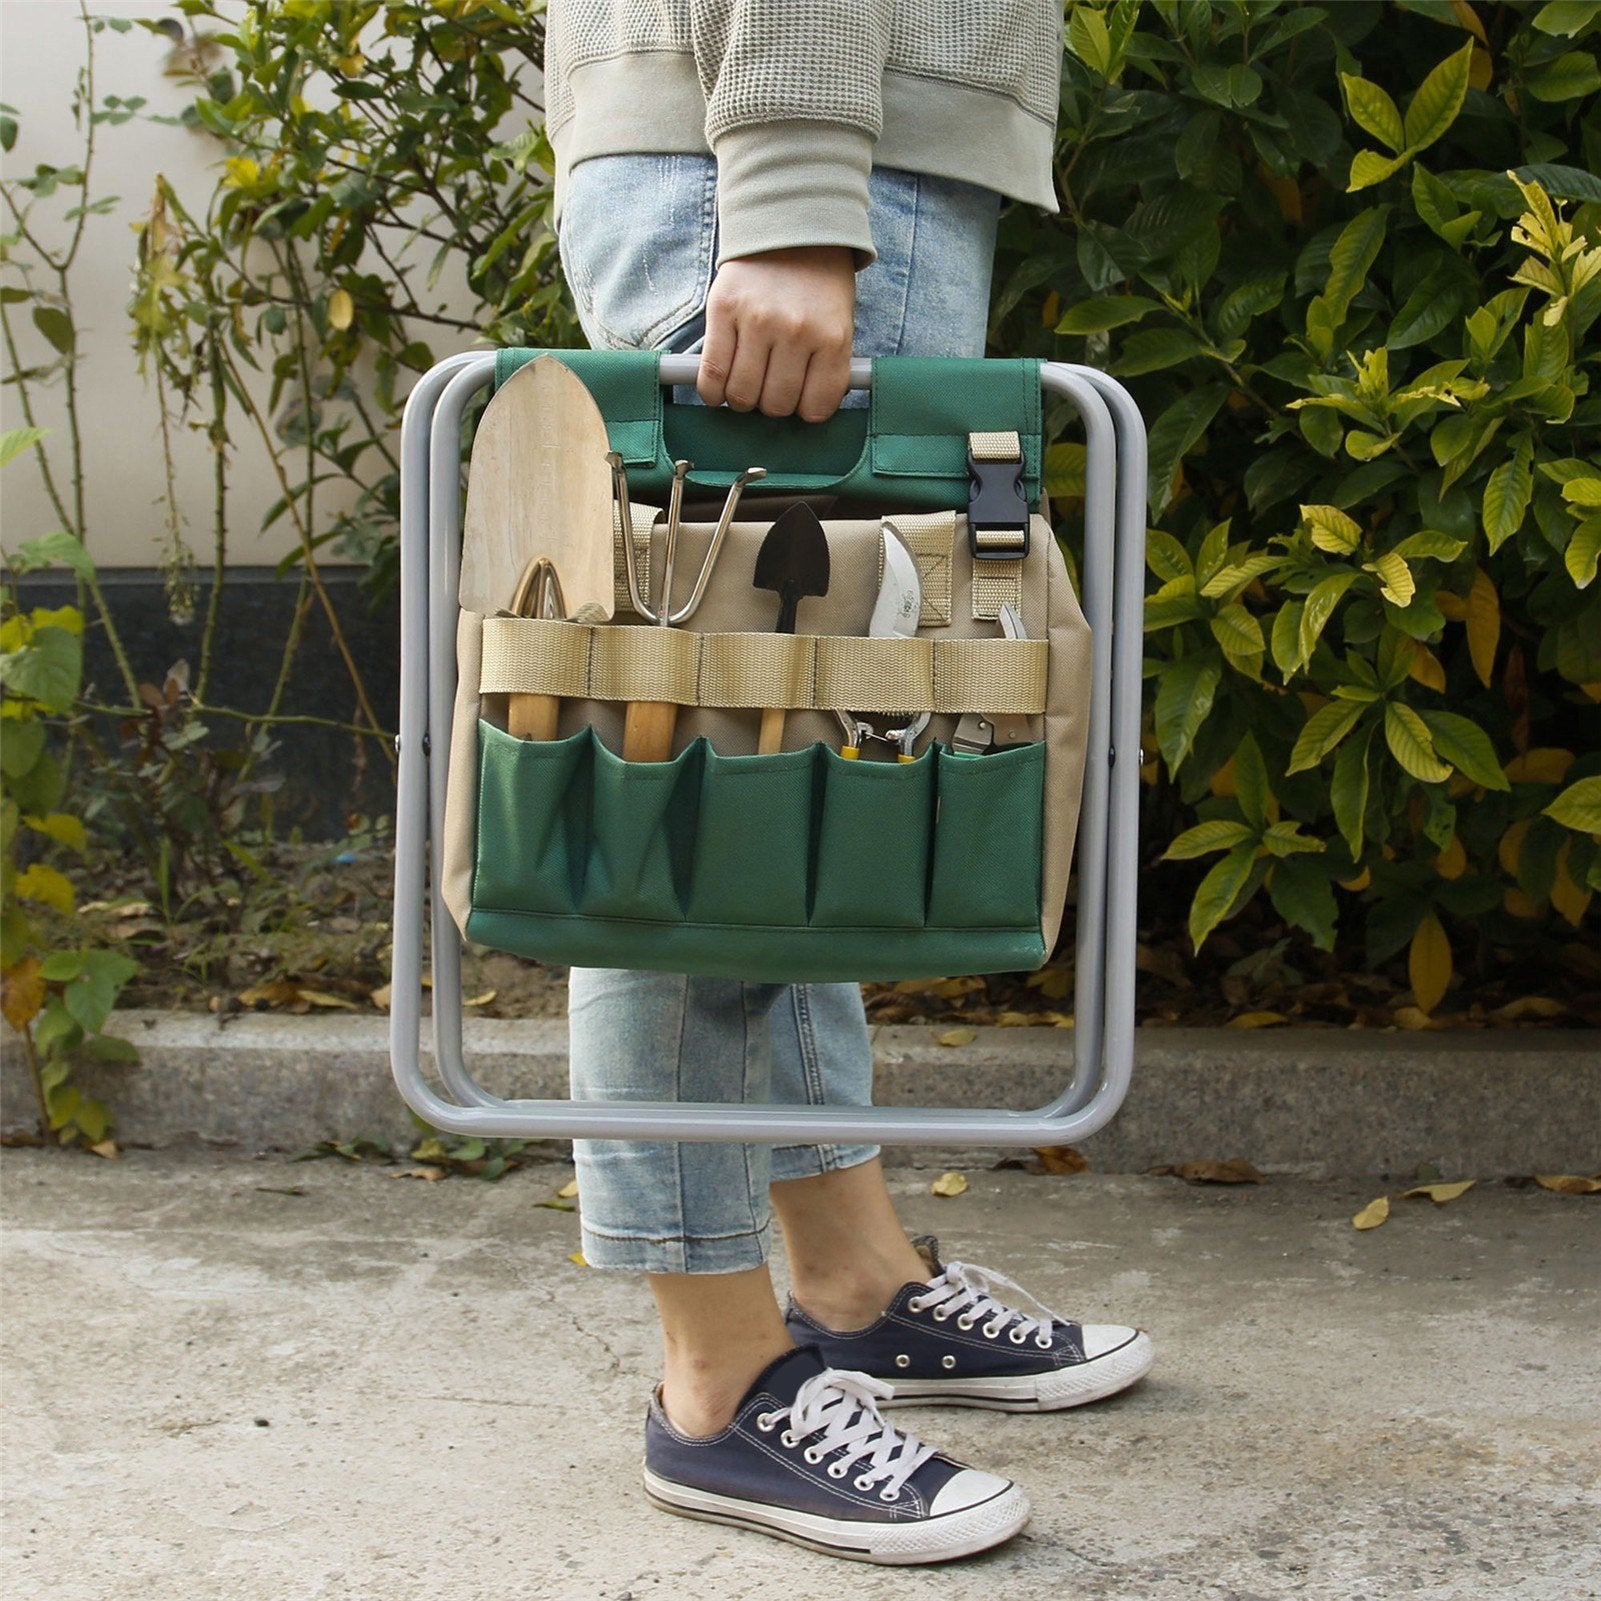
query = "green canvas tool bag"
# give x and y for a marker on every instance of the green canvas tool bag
(801, 865)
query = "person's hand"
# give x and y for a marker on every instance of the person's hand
(778, 332)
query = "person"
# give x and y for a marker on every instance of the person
(774, 184)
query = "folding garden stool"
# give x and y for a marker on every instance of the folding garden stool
(1103, 1034)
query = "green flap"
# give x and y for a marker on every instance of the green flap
(909, 444)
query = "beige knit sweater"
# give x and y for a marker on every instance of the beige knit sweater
(799, 99)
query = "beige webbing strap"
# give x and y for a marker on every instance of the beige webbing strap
(929, 536)
(644, 519)
(579, 661)
(999, 580)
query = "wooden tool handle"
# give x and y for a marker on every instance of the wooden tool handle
(532, 716)
(771, 740)
(648, 727)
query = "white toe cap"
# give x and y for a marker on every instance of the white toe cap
(968, 1488)
(1101, 1339)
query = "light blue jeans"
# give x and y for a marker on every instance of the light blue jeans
(638, 242)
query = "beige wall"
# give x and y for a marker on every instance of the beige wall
(41, 48)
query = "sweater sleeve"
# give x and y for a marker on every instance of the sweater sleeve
(794, 105)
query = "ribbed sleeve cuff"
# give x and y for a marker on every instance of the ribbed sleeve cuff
(781, 185)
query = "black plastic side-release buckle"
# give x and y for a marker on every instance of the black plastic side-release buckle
(997, 510)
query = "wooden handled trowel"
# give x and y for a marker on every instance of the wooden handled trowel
(537, 538)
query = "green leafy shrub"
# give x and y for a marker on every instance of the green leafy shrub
(1348, 258)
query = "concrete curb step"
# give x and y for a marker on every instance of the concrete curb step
(1310, 1101)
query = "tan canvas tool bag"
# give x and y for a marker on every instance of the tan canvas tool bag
(944, 852)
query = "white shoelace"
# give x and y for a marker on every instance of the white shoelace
(842, 1407)
(970, 1291)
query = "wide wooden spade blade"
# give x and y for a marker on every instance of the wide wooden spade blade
(793, 563)
(539, 485)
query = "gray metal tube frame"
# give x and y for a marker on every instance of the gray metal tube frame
(1103, 1034)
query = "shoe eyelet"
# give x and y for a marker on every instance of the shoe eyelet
(992, 1331)
(1017, 1336)
(903, 1361)
(836, 1470)
(916, 1304)
(1044, 1342)
(812, 1455)
(941, 1314)
(965, 1322)
(766, 1422)
(947, 1362)
(862, 1482)
(788, 1440)
(887, 1494)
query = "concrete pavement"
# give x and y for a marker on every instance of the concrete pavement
(379, 1387)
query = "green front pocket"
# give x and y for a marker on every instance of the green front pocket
(874, 827)
(988, 839)
(753, 847)
(642, 834)
(533, 821)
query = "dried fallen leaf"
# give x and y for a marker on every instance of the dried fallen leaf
(952, 1183)
(432, 1174)
(1055, 983)
(956, 1036)
(105, 1148)
(381, 997)
(1234, 1171)
(1373, 1214)
(555, 1205)
(323, 998)
(1061, 1159)
(278, 993)
(1529, 1006)
(1012, 1020)
(1256, 1020)
(1439, 1193)
(483, 998)
(1568, 1183)
(568, 1190)
(950, 989)
(577, 1259)
(1413, 1017)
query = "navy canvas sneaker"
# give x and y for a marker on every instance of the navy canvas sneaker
(958, 1340)
(808, 1458)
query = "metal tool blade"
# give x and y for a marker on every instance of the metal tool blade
(793, 562)
(900, 593)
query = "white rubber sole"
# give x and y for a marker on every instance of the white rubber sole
(1035, 1392)
(941, 1539)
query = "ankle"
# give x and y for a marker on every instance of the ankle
(701, 1390)
(850, 1295)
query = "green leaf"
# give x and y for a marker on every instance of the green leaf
(1569, 77)
(1299, 889)
(1109, 311)
(1286, 839)
(1286, 639)
(1166, 556)
(1237, 631)
(1323, 730)
(1460, 741)
(1318, 608)
(21, 747)
(1565, 18)
(1368, 167)
(1396, 583)
(16, 440)
(1348, 792)
(47, 549)
(1154, 350)
(1219, 890)
(1579, 806)
(1430, 544)
(1373, 110)
(1184, 698)
(1332, 530)
(1251, 787)
(56, 326)
(1175, 433)
(1438, 100)
(1411, 744)
(1220, 834)
(1089, 40)
(1583, 552)
(48, 669)
(1353, 253)
(1507, 492)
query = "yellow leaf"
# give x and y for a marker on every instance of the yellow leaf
(1481, 69)
(1055, 983)
(1373, 1214)
(62, 827)
(483, 998)
(1452, 862)
(952, 1183)
(41, 883)
(352, 64)
(1359, 883)
(1570, 899)
(1256, 1020)
(1520, 903)
(22, 992)
(1051, 311)
(1426, 669)
(1543, 765)
(1428, 963)
(1439, 1193)
(1530, 1006)
(381, 997)
(956, 1036)
(431, 1174)
(1396, 583)
(241, 172)
(1223, 779)
(1484, 625)
(1469, 18)
(1568, 1183)
(323, 998)
(577, 1259)
(1411, 1017)
(1511, 847)
(1012, 1020)
(341, 310)
(568, 1190)
(107, 1149)
(1452, 607)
